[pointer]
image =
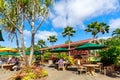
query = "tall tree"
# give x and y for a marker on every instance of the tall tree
(116, 32)
(36, 12)
(96, 28)
(103, 28)
(52, 39)
(41, 43)
(12, 33)
(93, 29)
(68, 31)
(12, 13)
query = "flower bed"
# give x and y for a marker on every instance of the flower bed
(30, 73)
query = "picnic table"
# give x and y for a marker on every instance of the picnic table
(91, 68)
(7, 66)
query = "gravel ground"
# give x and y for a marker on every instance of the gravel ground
(54, 74)
(5, 75)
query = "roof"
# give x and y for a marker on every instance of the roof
(74, 44)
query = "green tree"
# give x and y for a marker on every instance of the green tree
(116, 32)
(41, 43)
(12, 33)
(36, 10)
(52, 39)
(16, 12)
(96, 28)
(67, 42)
(13, 14)
(68, 31)
(93, 28)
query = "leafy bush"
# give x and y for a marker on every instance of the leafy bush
(29, 73)
(46, 55)
(70, 59)
(111, 56)
(61, 55)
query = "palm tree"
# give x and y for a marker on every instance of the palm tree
(116, 32)
(96, 28)
(41, 43)
(31, 10)
(103, 28)
(36, 10)
(68, 31)
(52, 39)
(93, 28)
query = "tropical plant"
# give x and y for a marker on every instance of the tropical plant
(103, 28)
(12, 15)
(96, 28)
(12, 33)
(29, 73)
(116, 32)
(67, 42)
(113, 41)
(111, 56)
(52, 39)
(62, 55)
(68, 31)
(41, 43)
(15, 12)
(93, 28)
(46, 56)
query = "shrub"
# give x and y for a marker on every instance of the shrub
(70, 59)
(46, 55)
(29, 73)
(111, 56)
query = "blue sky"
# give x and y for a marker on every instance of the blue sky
(75, 13)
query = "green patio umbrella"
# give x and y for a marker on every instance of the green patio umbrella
(90, 46)
(35, 52)
(1, 38)
(7, 53)
(60, 50)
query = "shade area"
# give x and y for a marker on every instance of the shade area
(9, 53)
(35, 53)
(60, 50)
(90, 46)
(8, 50)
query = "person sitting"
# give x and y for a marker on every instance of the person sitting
(60, 64)
(16, 64)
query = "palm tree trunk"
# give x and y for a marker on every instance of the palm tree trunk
(22, 41)
(33, 34)
(69, 45)
(32, 49)
(17, 42)
(23, 48)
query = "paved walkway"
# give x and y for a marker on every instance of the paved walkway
(54, 74)
(5, 75)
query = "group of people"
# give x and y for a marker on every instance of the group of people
(10, 60)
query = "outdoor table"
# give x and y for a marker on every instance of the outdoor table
(7, 66)
(91, 68)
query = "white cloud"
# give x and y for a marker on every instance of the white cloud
(105, 37)
(114, 23)
(44, 34)
(74, 12)
(27, 33)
